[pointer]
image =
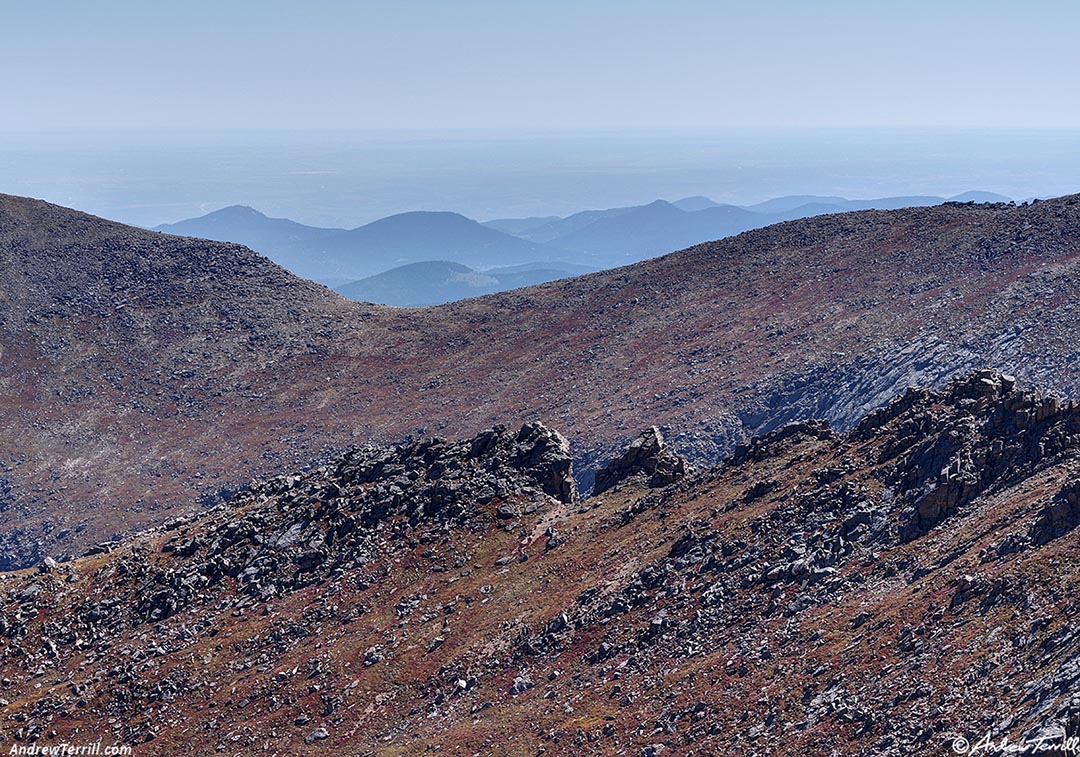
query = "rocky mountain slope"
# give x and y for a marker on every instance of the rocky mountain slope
(117, 345)
(888, 590)
(143, 372)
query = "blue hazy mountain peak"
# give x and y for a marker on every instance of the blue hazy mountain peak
(526, 248)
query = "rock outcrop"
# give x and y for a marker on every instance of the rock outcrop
(648, 457)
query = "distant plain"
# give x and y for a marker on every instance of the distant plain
(345, 179)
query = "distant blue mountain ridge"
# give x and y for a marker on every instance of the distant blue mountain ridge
(462, 257)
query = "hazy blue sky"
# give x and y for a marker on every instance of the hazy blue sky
(553, 64)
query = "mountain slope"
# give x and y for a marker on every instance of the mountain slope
(260, 372)
(120, 346)
(885, 591)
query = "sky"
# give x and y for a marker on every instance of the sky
(338, 112)
(581, 64)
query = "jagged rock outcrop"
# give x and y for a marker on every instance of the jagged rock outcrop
(340, 517)
(981, 430)
(648, 457)
(1059, 516)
